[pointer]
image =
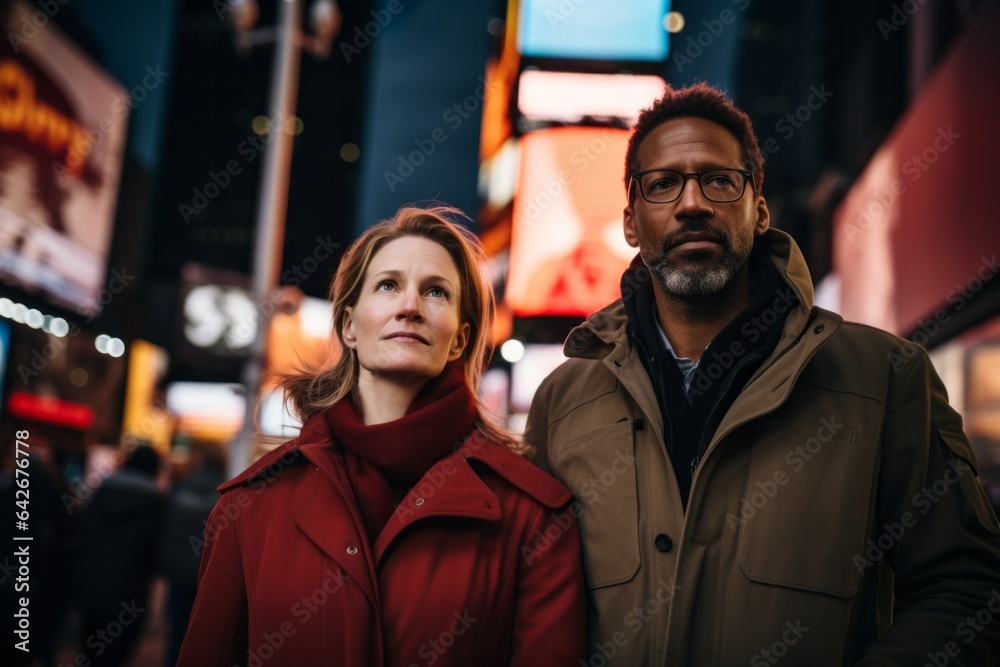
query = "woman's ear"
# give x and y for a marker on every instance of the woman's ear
(459, 342)
(348, 333)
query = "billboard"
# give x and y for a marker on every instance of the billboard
(570, 97)
(568, 249)
(594, 30)
(917, 233)
(62, 134)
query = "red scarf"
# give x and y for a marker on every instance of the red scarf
(384, 460)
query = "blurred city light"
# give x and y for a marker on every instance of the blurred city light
(350, 152)
(673, 22)
(512, 351)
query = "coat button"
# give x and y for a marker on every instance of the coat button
(418, 501)
(578, 344)
(352, 550)
(819, 329)
(663, 543)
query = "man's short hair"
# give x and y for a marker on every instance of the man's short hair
(699, 100)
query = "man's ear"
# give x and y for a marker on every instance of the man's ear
(347, 332)
(628, 221)
(763, 217)
(459, 342)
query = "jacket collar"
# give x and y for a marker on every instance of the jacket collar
(452, 487)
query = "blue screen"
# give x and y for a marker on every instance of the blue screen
(594, 29)
(4, 352)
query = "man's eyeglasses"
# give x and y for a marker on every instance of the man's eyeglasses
(662, 186)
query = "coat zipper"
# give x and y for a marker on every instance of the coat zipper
(702, 447)
(725, 390)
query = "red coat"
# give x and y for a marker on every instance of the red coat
(479, 565)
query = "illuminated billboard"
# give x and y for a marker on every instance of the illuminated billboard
(569, 97)
(594, 30)
(568, 250)
(917, 233)
(62, 134)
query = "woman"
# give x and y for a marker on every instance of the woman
(399, 528)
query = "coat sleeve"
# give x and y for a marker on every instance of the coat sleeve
(946, 553)
(536, 430)
(549, 616)
(217, 629)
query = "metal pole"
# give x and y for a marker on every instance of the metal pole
(271, 211)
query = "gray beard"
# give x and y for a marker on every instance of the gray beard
(704, 282)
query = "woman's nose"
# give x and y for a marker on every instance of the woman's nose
(409, 306)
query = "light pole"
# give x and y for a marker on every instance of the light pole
(272, 203)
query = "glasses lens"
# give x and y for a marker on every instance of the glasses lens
(722, 184)
(662, 186)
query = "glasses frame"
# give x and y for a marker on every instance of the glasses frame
(747, 178)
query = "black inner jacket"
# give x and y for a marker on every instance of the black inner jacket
(730, 360)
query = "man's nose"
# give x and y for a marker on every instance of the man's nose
(692, 202)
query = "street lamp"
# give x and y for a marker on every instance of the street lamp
(272, 204)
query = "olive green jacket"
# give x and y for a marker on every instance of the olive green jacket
(839, 480)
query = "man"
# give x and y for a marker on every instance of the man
(757, 479)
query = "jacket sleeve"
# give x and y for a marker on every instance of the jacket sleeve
(549, 617)
(217, 629)
(946, 552)
(536, 429)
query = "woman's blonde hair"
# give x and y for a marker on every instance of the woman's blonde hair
(313, 390)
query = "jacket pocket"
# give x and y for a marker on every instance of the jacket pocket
(599, 467)
(804, 512)
(977, 504)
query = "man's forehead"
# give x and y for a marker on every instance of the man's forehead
(688, 137)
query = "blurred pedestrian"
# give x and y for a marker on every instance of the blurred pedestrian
(119, 535)
(188, 508)
(400, 527)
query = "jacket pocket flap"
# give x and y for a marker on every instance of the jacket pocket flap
(978, 505)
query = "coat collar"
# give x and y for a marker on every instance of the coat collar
(454, 486)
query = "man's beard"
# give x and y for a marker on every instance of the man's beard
(697, 282)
